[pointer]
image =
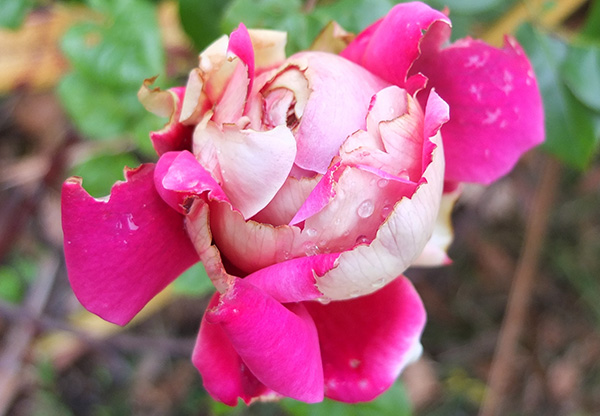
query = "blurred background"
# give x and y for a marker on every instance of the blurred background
(518, 311)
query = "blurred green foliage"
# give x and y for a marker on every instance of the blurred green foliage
(14, 12)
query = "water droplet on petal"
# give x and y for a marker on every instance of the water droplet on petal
(403, 174)
(132, 225)
(378, 283)
(311, 249)
(354, 362)
(382, 183)
(362, 239)
(385, 211)
(337, 221)
(354, 294)
(311, 232)
(324, 300)
(365, 209)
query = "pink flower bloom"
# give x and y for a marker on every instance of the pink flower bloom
(306, 186)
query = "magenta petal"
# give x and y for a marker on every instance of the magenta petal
(224, 374)
(496, 110)
(241, 45)
(122, 251)
(278, 344)
(389, 47)
(293, 280)
(366, 342)
(178, 176)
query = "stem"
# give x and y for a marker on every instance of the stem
(502, 370)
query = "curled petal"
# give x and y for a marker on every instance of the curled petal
(398, 242)
(496, 112)
(331, 113)
(366, 342)
(269, 48)
(174, 135)
(224, 374)
(293, 280)
(389, 47)
(246, 158)
(178, 177)
(434, 253)
(278, 344)
(122, 251)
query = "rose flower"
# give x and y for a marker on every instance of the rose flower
(306, 186)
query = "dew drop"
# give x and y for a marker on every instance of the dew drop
(311, 249)
(354, 362)
(132, 225)
(403, 174)
(385, 211)
(378, 283)
(337, 221)
(324, 300)
(365, 209)
(354, 294)
(362, 239)
(311, 232)
(382, 183)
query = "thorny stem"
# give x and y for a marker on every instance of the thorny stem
(521, 290)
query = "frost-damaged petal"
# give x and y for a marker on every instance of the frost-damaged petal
(174, 135)
(399, 240)
(293, 280)
(496, 110)
(178, 176)
(269, 48)
(389, 47)
(278, 344)
(223, 372)
(254, 164)
(366, 342)
(120, 253)
(340, 94)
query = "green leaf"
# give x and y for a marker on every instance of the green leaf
(201, 20)
(14, 12)
(353, 15)
(581, 71)
(12, 287)
(466, 6)
(394, 402)
(193, 282)
(123, 50)
(100, 172)
(571, 127)
(591, 29)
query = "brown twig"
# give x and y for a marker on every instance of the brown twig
(521, 290)
(21, 334)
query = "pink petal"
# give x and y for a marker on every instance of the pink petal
(287, 201)
(366, 342)
(340, 94)
(496, 111)
(246, 158)
(178, 177)
(389, 47)
(241, 45)
(434, 253)
(197, 224)
(122, 251)
(293, 280)
(278, 344)
(224, 374)
(398, 242)
(319, 197)
(174, 135)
